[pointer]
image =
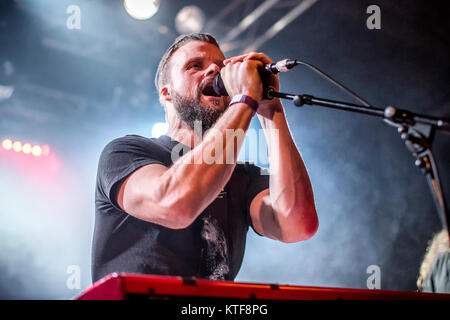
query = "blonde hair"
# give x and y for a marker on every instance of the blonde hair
(438, 244)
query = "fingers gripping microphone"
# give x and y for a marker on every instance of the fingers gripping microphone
(268, 69)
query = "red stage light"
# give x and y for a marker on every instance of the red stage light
(17, 146)
(26, 148)
(45, 150)
(36, 151)
(7, 144)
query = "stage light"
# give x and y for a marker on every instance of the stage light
(189, 19)
(141, 9)
(159, 129)
(26, 148)
(36, 151)
(17, 146)
(45, 150)
(6, 92)
(7, 144)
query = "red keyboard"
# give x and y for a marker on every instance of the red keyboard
(123, 286)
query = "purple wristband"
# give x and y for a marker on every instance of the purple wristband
(245, 99)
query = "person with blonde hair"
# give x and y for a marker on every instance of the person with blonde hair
(435, 269)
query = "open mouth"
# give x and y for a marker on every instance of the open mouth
(208, 90)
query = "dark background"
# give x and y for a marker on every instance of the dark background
(75, 90)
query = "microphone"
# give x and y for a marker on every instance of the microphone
(269, 69)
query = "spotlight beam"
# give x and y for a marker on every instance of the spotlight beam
(250, 19)
(222, 14)
(280, 25)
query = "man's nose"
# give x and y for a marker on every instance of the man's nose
(212, 70)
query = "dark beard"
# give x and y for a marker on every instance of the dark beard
(192, 110)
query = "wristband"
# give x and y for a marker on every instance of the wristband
(245, 99)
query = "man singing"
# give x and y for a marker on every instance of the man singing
(184, 216)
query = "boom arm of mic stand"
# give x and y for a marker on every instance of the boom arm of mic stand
(390, 113)
(404, 120)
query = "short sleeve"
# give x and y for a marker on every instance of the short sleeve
(259, 181)
(120, 158)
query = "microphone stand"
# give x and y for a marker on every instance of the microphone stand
(406, 122)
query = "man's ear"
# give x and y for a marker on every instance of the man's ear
(164, 94)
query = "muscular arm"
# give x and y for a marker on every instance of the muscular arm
(286, 210)
(174, 197)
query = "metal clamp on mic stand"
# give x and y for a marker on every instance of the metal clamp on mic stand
(406, 122)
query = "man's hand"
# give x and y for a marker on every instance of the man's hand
(242, 77)
(266, 107)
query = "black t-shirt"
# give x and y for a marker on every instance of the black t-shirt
(211, 247)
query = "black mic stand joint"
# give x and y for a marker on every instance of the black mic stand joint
(419, 143)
